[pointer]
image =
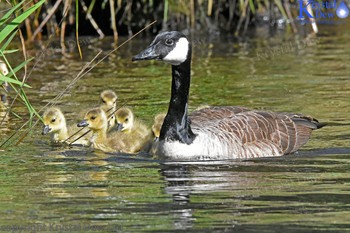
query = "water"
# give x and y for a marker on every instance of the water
(55, 186)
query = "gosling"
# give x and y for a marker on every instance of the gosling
(55, 124)
(157, 125)
(96, 120)
(109, 99)
(136, 135)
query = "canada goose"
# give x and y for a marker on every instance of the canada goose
(202, 106)
(136, 135)
(108, 99)
(159, 119)
(96, 120)
(55, 123)
(218, 132)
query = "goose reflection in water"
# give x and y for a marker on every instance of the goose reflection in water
(185, 181)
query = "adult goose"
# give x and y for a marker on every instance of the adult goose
(218, 132)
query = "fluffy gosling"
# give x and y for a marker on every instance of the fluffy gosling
(55, 124)
(109, 99)
(96, 120)
(157, 125)
(136, 135)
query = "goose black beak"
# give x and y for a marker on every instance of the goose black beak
(46, 129)
(83, 123)
(147, 54)
(119, 127)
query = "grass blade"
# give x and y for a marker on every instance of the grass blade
(77, 27)
(18, 20)
(8, 41)
(252, 7)
(7, 16)
(13, 81)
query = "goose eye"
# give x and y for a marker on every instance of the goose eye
(53, 120)
(93, 118)
(169, 42)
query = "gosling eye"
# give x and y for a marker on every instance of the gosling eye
(93, 118)
(103, 101)
(169, 42)
(126, 120)
(53, 120)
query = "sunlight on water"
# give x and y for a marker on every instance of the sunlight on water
(48, 184)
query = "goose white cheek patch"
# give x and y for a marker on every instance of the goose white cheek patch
(179, 54)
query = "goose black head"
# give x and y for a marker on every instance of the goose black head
(171, 47)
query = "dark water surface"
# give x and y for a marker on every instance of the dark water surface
(56, 186)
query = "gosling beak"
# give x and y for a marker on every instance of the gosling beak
(147, 54)
(83, 123)
(120, 127)
(46, 129)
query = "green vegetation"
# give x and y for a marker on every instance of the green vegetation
(10, 23)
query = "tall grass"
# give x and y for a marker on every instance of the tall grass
(9, 24)
(121, 16)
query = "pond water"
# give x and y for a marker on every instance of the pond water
(47, 187)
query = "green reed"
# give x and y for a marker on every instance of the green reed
(9, 24)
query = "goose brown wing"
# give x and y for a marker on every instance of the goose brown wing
(290, 131)
(215, 113)
(259, 131)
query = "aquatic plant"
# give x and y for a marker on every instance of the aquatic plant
(9, 24)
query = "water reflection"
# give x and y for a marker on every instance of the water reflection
(233, 191)
(199, 178)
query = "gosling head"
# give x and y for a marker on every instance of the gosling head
(171, 47)
(158, 122)
(95, 119)
(125, 119)
(53, 120)
(108, 98)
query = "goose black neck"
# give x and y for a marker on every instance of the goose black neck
(176, 126)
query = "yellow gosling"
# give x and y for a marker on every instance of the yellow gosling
(55, 124)
(136, 135)
(109, 99)
(157, 125)
(96, 120)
